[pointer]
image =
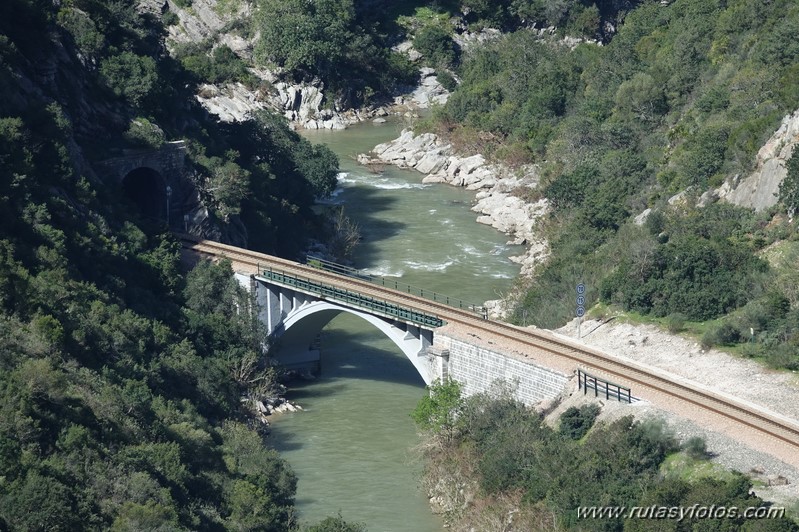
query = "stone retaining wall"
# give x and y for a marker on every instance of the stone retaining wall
(478, 368)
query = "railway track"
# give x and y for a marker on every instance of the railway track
(638, 377)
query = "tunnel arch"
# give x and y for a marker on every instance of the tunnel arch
(304, 323)
(146, 188)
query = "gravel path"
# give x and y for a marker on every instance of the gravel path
(746, 379)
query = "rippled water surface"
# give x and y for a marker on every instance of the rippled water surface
(353, 446)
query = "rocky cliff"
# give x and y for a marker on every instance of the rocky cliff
(760, 190)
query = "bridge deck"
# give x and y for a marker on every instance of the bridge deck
(349, 298)
(751, 424)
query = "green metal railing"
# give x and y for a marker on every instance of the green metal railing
(352, 298)
(328, 266)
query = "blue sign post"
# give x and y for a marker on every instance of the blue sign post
(580, 307)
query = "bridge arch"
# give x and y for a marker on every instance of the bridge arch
(300, 328)
(146, 188)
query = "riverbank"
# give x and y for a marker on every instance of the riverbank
(304, 105)
(454, 485)
(502, 192)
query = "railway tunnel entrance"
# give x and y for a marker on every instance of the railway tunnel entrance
(146, 189)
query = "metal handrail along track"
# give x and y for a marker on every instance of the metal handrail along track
(348, 297)
(329, 266)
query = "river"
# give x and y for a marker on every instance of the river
(353, 446)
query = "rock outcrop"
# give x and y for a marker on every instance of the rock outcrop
(232, 102)
(760, 190)
(501, 192)
(430, 91)
(204, 20)
(304, 104)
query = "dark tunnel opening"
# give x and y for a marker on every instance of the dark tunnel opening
(146, 189)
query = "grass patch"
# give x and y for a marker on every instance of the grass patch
(690, 329)
(680, 465)
(780, 255)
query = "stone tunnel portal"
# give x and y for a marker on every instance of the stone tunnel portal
(146, 188)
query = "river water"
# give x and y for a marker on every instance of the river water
(353, 446)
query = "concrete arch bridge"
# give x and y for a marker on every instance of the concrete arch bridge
(447, 339)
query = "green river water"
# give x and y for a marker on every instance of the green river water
(353, 446)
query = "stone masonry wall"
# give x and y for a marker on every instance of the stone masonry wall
(478, 368)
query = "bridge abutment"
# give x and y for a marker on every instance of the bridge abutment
(478, 368)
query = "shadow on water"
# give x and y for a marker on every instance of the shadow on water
(348, 356)
(363, 205)
(288, 440)
(354, 355)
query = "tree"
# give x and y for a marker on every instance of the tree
(130, 76)
(305, 36)
(642, 96)
(439, 411)
(436, 45)
(576, 422)
(39, 503)
(228, 184)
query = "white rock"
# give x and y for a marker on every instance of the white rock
(641, 218)
(760, 190)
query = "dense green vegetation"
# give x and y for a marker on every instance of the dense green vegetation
(121, 378)
(247, 169)
(345, 44)
(507, 449)
(680, 97)
(330, 40)
(120, 383)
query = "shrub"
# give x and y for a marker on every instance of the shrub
(675, 322)
(336, 524)
(436, 45)
(789, 188)
(170, 18)
(724, 334)
(438, 411)
(447, 80)
(145, 134)
(576, 422)
(783, 356)
(129, 75)
(695, 447)
(83, 30)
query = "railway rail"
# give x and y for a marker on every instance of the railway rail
(640, 378)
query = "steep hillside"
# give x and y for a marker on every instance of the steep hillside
(122, 379)
(629, 135)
